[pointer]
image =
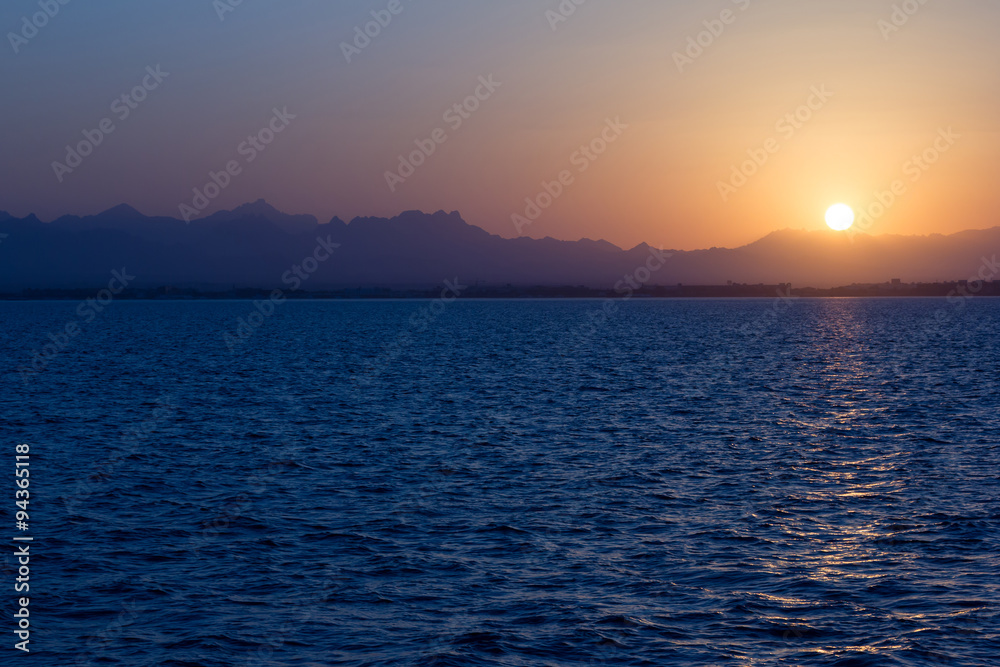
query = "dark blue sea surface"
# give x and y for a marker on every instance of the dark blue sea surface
(676, 482)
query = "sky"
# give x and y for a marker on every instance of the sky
(686, 124)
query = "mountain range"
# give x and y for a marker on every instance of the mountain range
(255, 245)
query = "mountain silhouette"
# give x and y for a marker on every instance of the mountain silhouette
(262, 210)
(255, 245)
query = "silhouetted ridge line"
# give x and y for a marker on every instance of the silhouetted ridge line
(255, 245)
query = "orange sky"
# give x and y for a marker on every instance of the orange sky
(559, 82)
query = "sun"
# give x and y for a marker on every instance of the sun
(840, 217)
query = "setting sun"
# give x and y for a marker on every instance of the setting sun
(840, 217)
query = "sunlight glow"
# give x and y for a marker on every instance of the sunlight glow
(840, 217)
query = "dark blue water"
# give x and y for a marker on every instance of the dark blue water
(510, 483)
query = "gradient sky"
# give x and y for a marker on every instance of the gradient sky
(657, 182)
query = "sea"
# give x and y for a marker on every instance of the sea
(739, 482)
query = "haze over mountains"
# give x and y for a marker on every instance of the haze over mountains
(255, 245)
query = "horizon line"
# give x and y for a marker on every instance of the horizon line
(849, 233)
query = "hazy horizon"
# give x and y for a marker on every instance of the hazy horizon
(256, 245)
(326, 221)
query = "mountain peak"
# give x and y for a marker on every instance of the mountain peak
(258, 208)
(261, 209)
(121, 212)
(420, 216)
(419, 249)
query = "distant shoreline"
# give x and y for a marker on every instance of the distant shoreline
(736, 291)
